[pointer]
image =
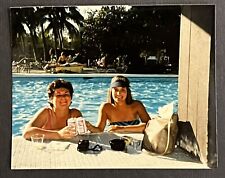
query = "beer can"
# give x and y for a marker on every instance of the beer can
(81, 126)
(71, 122)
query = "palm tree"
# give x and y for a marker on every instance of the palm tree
(41, 16)
(59, 21)
(18, 31)
(31, 21)
(63, 20)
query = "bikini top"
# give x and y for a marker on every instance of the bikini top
(126, 123)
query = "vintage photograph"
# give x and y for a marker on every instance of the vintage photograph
(113, 87)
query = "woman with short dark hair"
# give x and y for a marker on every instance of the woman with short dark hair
(52, 121)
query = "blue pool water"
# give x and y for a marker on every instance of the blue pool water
(29, 95)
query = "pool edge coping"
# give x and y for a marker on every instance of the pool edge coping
(94, 75)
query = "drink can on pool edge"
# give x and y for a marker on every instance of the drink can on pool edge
(80, 125)
(71, 122)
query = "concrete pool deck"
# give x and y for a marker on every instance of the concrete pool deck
(27, 156)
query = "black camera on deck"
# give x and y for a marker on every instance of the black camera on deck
(83, 145)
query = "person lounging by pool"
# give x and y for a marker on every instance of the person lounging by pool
(122, 112)
(52, 120)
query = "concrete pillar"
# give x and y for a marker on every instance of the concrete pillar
(196, 33)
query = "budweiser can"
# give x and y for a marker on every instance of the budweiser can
(81, 126)
(71, 122)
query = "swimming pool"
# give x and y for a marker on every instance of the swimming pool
(29, 95)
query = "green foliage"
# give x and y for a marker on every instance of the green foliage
(45, 26)
(133, 34)
(117, 31)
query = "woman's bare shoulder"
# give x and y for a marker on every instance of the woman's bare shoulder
(137, 103)
(43, 111)
(106, 105)
(40, 117)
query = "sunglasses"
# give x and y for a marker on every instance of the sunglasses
(83, 145)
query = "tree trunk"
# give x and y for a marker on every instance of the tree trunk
(33, 39)
(44, 42)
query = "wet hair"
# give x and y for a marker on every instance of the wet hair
(120, 81)
(56, 84)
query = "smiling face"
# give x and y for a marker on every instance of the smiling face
(60, 89)
(119, 94)
(61, 98)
